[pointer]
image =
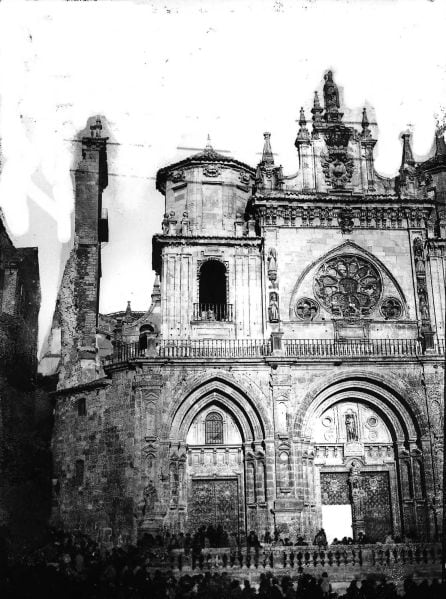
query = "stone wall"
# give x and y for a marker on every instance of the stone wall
(19, 442)
(94, 459)
(134, 434)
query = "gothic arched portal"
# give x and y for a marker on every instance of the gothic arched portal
(224, 479)
(362, 452)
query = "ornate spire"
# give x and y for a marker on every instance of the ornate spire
(128, 310)
(267, 156)
(156, 292)
(407, 158)
(208, 144)
(317, 111)
(303, 131)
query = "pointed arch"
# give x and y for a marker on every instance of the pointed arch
(347, 246)
(400, 406)
(251, 416)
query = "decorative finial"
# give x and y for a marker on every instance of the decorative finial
(316, 111)
(365, 120)
(365, 125)
(208, 143)
(303, 133)
(267, 156)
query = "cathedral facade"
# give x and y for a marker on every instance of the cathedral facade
(291, 364)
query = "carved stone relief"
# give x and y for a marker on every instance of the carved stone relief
(345, 220)
(177, 176)
(211, 170)
(306, 309)
(352, 427)
(391, 308)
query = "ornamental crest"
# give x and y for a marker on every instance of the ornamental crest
(211, 170)
(348, 286)
(345, 220)
(338, 166)
(244, 178)
(177, 176)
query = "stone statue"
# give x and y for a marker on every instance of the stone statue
(418, 248)
(165, 224)
(424, 309)
(272, 266)
(150, 496)
(350, 427)
(273, 309)
(331, 94)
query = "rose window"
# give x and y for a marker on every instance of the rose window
(348, 286)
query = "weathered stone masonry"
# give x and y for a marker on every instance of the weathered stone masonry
(19, 308)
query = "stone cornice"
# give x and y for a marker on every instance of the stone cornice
(199, 160)
(98, 383)
(202, 240)
(160, 241)
(290, 197)
(345, 217)
(269, 361)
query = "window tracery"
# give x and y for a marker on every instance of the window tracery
(391, 308)
(214, 429)
(348, 286)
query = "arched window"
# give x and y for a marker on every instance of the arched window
(145, 331)
(212, 291)
(213, 429)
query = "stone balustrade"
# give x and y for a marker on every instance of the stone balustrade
(341, 562)
(260, 348)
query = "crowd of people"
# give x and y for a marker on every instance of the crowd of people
(213, 537)
(76, 567)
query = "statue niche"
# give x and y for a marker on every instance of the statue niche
(351, 427)
(272, 265)
(150, 497)
(273, 308)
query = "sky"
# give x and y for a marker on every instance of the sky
(164, 75)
